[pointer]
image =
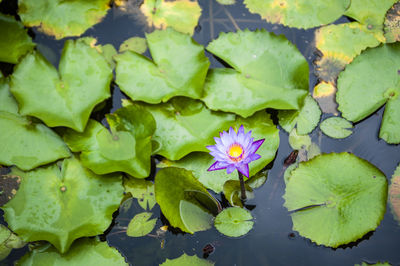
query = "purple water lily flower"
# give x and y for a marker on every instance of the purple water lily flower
(234, 151)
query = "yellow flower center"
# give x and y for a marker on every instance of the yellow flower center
(235, 151)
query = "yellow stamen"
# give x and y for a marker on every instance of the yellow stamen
(235, 151)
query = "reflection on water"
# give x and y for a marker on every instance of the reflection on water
(272, 241)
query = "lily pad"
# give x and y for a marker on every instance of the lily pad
(369, 82)
(369, 12)
(60, 205)
(336, 127)
(61, 18)
(64, 98)
(226, 2)
(7, 101)
(306, 119)
(84, 252)
(234, 222)
(394, 194)
(127, 148)
(335, 199)
(392, 24)
(142, 190)
(174, 185)
(185, 260)
(14, 40)
(194, 217)
(179, 68)
(141, 225)
(8, 241)
(299, 14)
(134, 44)
(184, 126)
(181, 15)
(256, 81)
(298, 142)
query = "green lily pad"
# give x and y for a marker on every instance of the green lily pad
(234, 222)
(392, 24)
(7, 101)
(369, 82)
(184, 126)
(226, 2)
(62, 18)
(298, 142)
(256, 81)
(185, 260)
(171, 74)
(306, 119)
(174, 185)
(394, 194)
(299, 14)
(336, 127)
(181, 15)
(64, 98)
(370, 12)
(127, 148)
(142, 190)
(14, 40)
(232, 192)
(374, 264)
(194, 217)
(134, 44)
(8, 241)
(335, 199)
(140, 225)
(84, 252)
(62, 204)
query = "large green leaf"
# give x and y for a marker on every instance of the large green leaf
(181, 15)
(179, 68)
(84, 252)
(61, 18)
(370, 12)
(127, 148)
(369, 82)
(174, 185)
(68, 97)
(62, 204)
(184, 126)
(261, 126)
(7, 101)
(335, 199)
(268, 71)
(298, 13)
(394, 194)
(14, 40)
(185, 260)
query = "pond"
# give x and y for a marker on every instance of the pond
(271, 241)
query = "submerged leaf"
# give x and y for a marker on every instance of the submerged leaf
(61, 18)
(298, 142)
(8, 241)
(369, 82)
(14, 40)
(60, 205)
(179, 68)
(299, 14)
(392, 24)
(232, 192)
(324, 93)
(142, 190)
(185, 260)
(9, 185)
(234, 222)
(335, 199)
(84, 252)
(181, 15)
(134, 44)
(256, 81)
(394, 194)
(64, 98)
(336, 127)
(141, 225)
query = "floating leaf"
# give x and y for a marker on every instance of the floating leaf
(14, 40)
(142, 190)
(374, 264)
(134, 44)
(179, 68)
(7, 101)
(84, 252)
(232, 192)
(369, 82)
(184, 126)
(336, 127)
(194, 217)
(8, 241)
(394, 194)
(299, 14)
(65, 98)
(61, 205)
(61, 18)
(226, 2)
(185, 260)
(9, 184)
(181, 15)
(306, 119)
(234, 222)
(173, 185)
(108, 51)
(392, 24)
(140, 225)
(371, 13)
(298, 142)
(335, 199)
(256, 81)
(127, 148)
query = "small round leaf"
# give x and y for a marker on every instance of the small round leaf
(234, 222)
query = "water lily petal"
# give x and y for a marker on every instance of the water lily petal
(256, 144)
(243, 168)
(217, 166)
(230, 169)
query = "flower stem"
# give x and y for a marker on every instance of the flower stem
(242, 188)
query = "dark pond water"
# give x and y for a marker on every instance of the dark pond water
(272, 241)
